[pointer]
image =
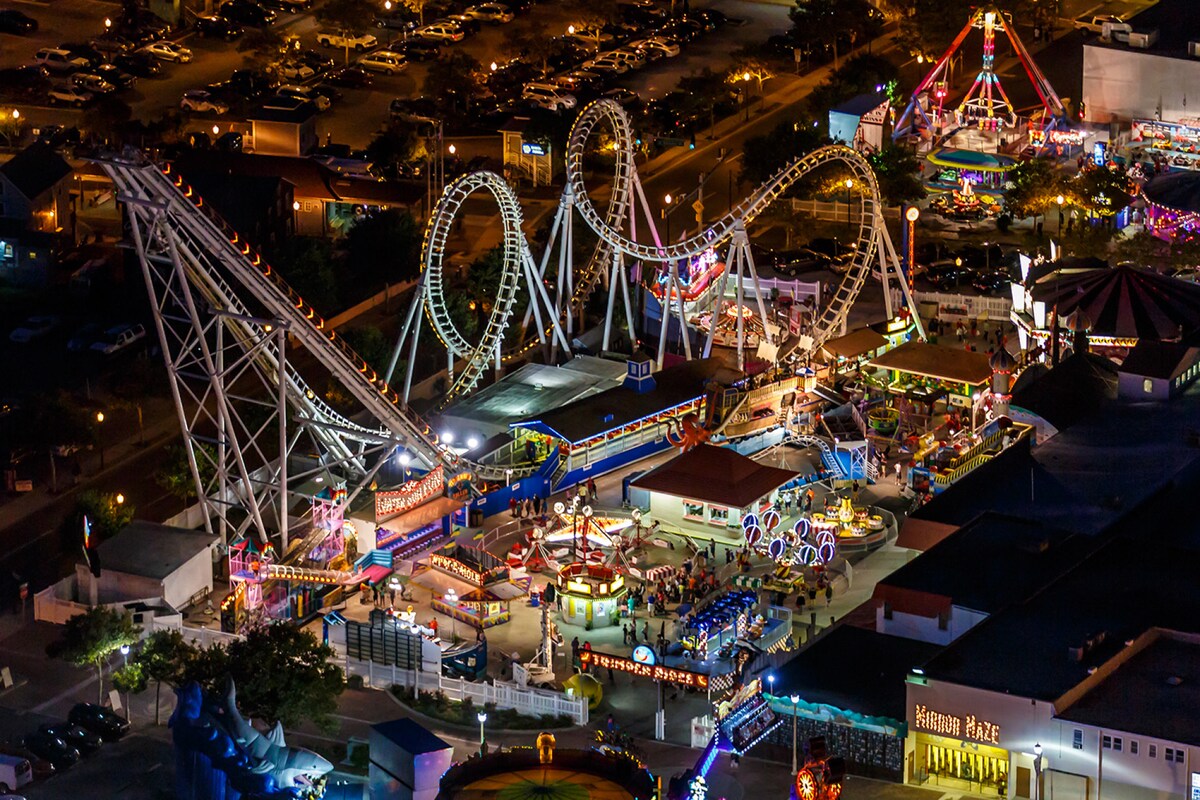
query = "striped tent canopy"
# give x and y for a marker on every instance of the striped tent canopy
(1125, 301)
(747, 582)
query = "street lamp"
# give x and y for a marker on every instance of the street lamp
(120, 499)
(795, 702)
(666, 214)
(482, 717)
(100, 435)
(910, 230)
(451, 598)
(107, 23)
(1060, 200)
(493, 66)
(771, 682)
(1037, 769)
(849, 185)
(452, 149)
(125, 665)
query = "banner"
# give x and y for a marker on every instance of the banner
(410, 495)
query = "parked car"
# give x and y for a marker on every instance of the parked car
(294, 71)
(250, 83)
(203, 101)
(417, 49)
(70, 96)
(218, 28)
(42, 768)
(142, 65)
(288, 6)
(947, 276)
(51, 748)
(91, 82)
(57, 135)
(168, 51)
(115, 339)
(13, 21)
(626, 97)
(991, 283)
(589, 36)
(80, 738)
(441, 32)
(307, 93)
(84, 338)
(399, 18)
(468, 25)
(657, 47)
(60, 61)
(29, 82)
(495, 13)
(384, 61)
(802, 259)
(547, 96)
(105, 722)
(314, 58)
(359, 43)
(1094, 23)
(245, 12)
(15, 772)
(635, 58)
(349, 78)
(608, 62)
(116, 76)
(110, 44)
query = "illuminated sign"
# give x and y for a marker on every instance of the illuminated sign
(533, 149)
(410, 495)
(651, 671)
(968, 727)
(644, 654)
(1071, 138)
(456, 567)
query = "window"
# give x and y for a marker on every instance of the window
(693, 510)
(1147, 386)
(1112, 743)
(1133, 747)
(718, 515)
(1152, 751)
(1117, 743)
(887, 610)
(1173, 754)
(1077, 739)
(1106, 743)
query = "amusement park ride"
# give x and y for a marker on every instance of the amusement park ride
(227, 324)
(986, 105)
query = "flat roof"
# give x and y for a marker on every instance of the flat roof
(1165, 360)
(937, 361)
(1154, 692)
(854, 669)
(855, 343)
(622, 405)
(1022, 556)
(151, 550)
(410, 736)
(1177, 23)
(531, 390)
(715, 475)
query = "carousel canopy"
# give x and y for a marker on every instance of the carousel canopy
(1178, 191)
(969, 159)
(712, 474)
(1125, 302)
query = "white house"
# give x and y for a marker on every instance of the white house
(150, 560)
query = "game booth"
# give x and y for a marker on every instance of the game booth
(590, 595)
(470, 585)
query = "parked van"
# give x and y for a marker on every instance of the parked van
(15, 772)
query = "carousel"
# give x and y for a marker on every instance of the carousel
(848, 523)
(727, 324)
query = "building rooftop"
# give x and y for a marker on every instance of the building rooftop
(1022, 556)
(35, 169)
(151, 550)
(1165, 360)
(1125, 301)
(855, 343)
(715, 475)
(410, 736)
(1177, 23)
(1069, 391)
(531, 390)
(1153, 691)
(621, 406)
(936, 361)
(855, 670)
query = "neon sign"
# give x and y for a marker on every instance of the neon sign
(652, 671)
(968, 727)
(410, 495)
(456, 568)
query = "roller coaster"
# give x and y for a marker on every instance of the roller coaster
(256, 430)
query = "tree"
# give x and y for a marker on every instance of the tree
(175, 475)
(107, 512)
(896, 170)
(307, 264)
(283, 674)
(347, 16)
(163, 658)
(1102, 191)
(265, 45)
(1143, 248)
(928, 26)
(385, 247)
(861, 74)
(817, 22)
(1034, 189)
(394, 147)
(763, 156)
(90, 638)
(456, 80)
(370, 344)
(107, 118)
(56, 421)
(418, 8)
(531, 42)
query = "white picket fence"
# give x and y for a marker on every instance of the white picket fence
(966, 306)
(532, 702)
(199, 637)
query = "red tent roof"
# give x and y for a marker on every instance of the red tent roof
(1125, 301)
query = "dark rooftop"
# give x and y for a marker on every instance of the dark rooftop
(35, 169)
(854, 669)
(1151, 359)
(1066, 393)
(620, 406)
(1116, 594)
(152, 550)
(715, 475)
(1154, 692)
(1177, 23)
(1125, 301)
(410, 736)
(1021, 557)
(936, 361)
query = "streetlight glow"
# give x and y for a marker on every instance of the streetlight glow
(452, 149)
(99, 416)
(472, 443)
(120, 499)
(295, 205)
(216, 129)
(912, 213)
(494, 66)
(667, 199)
(447, 437)
(849, 183)
(1060, 199)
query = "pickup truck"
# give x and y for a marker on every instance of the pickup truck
(1094, 23)
(356, 43)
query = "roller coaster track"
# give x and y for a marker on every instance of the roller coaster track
(609, 226)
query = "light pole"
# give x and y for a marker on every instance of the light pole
(1060, 200)
(124, 666)
(482, 717)
(587, 524)
(910, 254)
(100, 435)
(795, 701)
(771, 683)
(452, 600)
(666, 215)
(849, 186)
(1037, 770)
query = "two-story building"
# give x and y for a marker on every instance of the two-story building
(37, 218)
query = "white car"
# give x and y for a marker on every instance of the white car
(92, 83)
(441, 32)
(384, 61)
(59, 60)
(636, 59)
(589, 35)
(608, 63)
(168, 51)
(357, 43)
(1094, 23)
(490, 12)
(33, 328)
(545, 95)
(118, 338)
(70, 95)
(295, 71)
(202, 101)
(305, 93)
(657, 47)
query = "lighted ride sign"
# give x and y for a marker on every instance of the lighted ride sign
(410, 495)
(679, 677)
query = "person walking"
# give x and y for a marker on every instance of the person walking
(646, 632)
(512, 507)
(898, 468)
(591, 489)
